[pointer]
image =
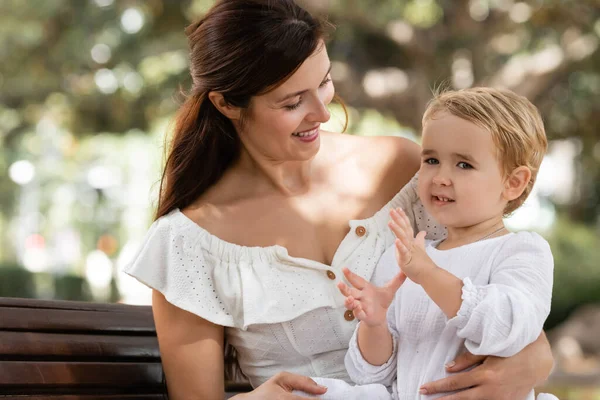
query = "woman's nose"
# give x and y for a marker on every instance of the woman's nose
(320, 112)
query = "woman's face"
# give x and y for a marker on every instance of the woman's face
(283, 125)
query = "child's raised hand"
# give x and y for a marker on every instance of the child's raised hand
(369, 302)
(410, 250)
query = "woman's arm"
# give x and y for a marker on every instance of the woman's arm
(191, 350)
(497, 378)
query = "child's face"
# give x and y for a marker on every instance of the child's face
(460, 180)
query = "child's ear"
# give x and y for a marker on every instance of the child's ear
(516, 183)
(228, 110)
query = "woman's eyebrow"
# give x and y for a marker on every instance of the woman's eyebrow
(289, 96)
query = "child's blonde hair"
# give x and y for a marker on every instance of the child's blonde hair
(515, 124)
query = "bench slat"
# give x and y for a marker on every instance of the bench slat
(71, 305)
(122, 375)
(32, 345)
(87, 397)
(55, 320)
(66, 350)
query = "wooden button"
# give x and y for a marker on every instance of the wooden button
(330, 275)
(360, 231)
(349, 315)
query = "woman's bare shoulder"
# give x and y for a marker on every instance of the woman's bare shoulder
(387, 162)
(391, 159)
(207, 211)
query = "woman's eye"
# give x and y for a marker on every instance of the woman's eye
(292, 107)
(431, 161)
(464, 165)
(325, 82)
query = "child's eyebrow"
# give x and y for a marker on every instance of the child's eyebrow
(463, 156)
(430, 152)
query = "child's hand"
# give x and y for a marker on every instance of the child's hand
(410, 251)
(369, 302)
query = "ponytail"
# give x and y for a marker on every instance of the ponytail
(204, 145)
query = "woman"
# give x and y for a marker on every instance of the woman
(253, 221)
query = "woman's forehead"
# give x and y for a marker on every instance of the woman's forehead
(308, 76)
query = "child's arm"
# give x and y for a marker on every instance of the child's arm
(441, 286)
(361, 371)
(506, 315)
(500, 318)
(370, 304)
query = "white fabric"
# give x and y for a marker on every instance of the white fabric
(338, 389)
(506, 299)
(281, 313)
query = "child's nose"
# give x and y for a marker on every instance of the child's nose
(441, 180)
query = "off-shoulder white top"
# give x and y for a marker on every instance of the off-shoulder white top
(281, 313)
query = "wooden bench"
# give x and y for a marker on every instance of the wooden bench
(66, 350)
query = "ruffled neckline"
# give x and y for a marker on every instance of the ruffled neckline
(235, 252)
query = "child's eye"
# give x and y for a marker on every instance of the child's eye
(431, 161)
(292, 107)
(464, 165)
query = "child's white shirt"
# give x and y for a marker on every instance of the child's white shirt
(506, 299)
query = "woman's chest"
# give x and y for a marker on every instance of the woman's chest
(311, 226)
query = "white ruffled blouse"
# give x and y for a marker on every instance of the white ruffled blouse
(281, 313)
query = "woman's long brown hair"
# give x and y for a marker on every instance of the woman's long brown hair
(240, 48)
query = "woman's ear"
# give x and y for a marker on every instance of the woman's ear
(516, 183)
(231, 112)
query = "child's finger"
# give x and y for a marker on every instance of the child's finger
(396, 282)
(403, 226)
(396, 229)
(403, 252)
(420, 239)
(407, 240)
(360, 313)
(397, 218)
(354, 279)
(401, 247)
(344, 289)
(349, 302)
(348, 291)
(402, 218)
(399, 256)
(406, 222)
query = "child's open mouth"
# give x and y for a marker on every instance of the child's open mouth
(441, 200)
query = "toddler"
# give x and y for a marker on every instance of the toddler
(481, 288)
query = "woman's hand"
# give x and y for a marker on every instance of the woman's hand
(410, 250)
(369, 302)
(281, 386)
(497, 378)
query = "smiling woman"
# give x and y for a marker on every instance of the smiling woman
(284, 121)
(260, 209)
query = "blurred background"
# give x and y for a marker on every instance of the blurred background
(88, 87)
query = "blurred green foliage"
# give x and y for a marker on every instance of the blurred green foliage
(106, 87)
(16, 281)
(576, 251)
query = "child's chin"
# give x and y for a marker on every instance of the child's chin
(443, 218)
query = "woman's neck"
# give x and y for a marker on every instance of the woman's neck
(460, 236)
(286, 177)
